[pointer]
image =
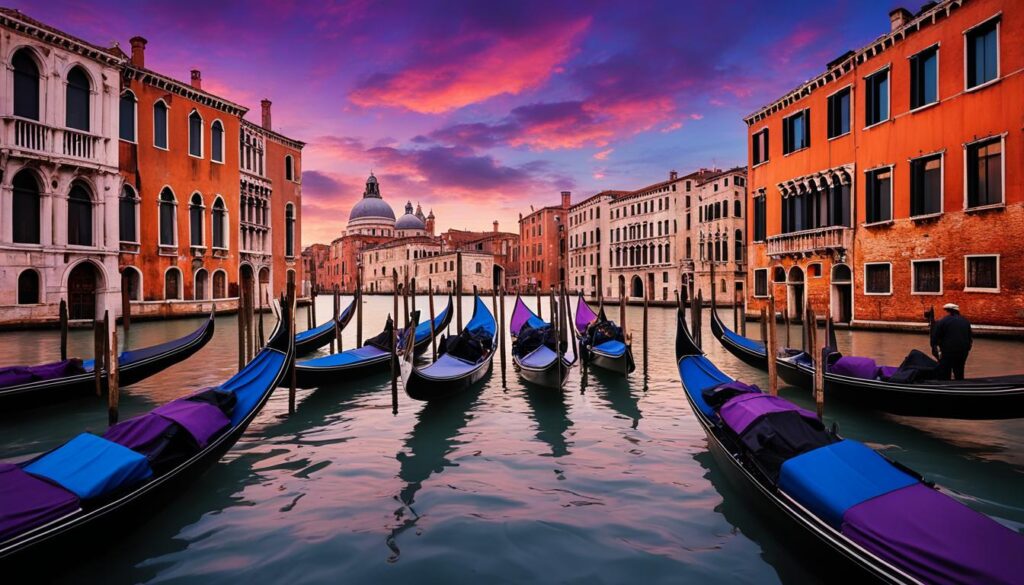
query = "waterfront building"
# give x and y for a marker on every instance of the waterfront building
(542, 244)
(315, 259)
(60, 182)
(588, 221)
(892, 182)
(720, 235)
(382, 260)
(478, 269)
(502, 246)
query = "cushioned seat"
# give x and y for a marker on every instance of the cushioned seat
(27, 501)
(855, 367)
(91, 466)
(139, 433)
(700, 374)
(936, 538)
(202, 420)
(614, 348)
(739, 412)
(830, 480)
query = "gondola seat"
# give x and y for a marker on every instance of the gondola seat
(832, 479)
(90, 466)
(938, 539)
(855, 367)
(612, 347)
(743, 410)
(202, 420)
(539, 357)
(16, 375)
(27, 501)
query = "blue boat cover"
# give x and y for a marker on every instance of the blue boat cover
(613, 348)
(349, 356)
(91, 466)
(541, 357)
(423, 329)
(830, 480)
(751, 344)
(536, 322)
(27, 502)
(698, 373)
(447, 366)
(255, 380)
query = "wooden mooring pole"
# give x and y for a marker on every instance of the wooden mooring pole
(99, 354)
(241, 328)
(771, 348)
(126, 310)
(336, 340)
(501, 336)
(430, 302)
(817, 351)
(458, 290)
(645, 335)
(359, 307)
(292, 305)
(394, 345)
(63, 330)
(113, 380)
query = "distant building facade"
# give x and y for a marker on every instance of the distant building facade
(720, 236)
(543, 235)
(588, 231)
(892, 182)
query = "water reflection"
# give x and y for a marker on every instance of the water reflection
(615, 390)
(550, 413)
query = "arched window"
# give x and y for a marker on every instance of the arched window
(172, 284)
(26, 85)
(739, 245)
(219, 224)
(219, 285)
(127, 109)
(25, 208)
(195, 220)
(160, 124)
(127, 207)
(131, 281)
(79, 216)
(725, 245)
(689, 249)
(195, 134)
(737, 209)
(77, 103)
(289, 231)
(479, 268)
(217, 142)
(28, 287)
(168, 219)
(289, 172)
(200, 285)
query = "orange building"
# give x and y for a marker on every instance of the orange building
(892, 182)
(541, 234)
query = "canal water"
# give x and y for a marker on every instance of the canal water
(607, 482)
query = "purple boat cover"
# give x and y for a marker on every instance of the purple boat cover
(886, 372)
(584, 315)
(27, 502)
(739, 412)
(202, 420)
(521, 315)
(139, 432)
(855, 367)
(935, 538)
(15, 375)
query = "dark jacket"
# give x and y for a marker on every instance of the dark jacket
(952, 334)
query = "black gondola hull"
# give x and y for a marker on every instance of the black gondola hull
(622, 364)
(52, 391)
(420, 387)
(550, 376)
(321, 339)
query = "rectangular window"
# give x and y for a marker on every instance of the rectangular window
(160, 125)
(982, 53)
(876, 98)
(760, 221)
(985, 173)
(839, 113)
(761, 282)
(760, 147)
(982, 273)
(924, 78)
(878, 279)
(796, 132)
(879, 195)
(926, 277)
(926, 185)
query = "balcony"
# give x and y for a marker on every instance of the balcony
(808, 242)
(38, 138)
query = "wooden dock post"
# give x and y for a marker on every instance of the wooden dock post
(63, 330)
(241, 328)
(743, 313)
(817, 352)
(771, 348)
(126, 310)
(336, 340)
(501, 336)
(260, 340)
(359, 307)
(785, 320)
(312, 308)
(735, 311)
(405, 297)
(430, 302)
(764, 326)
(412, 295)
(700, 319)
(99, 356)
(539, 315)
(458, 291)
(556, 320)
(291, 335)
(645, 336)
(394, 345)
(113, 380)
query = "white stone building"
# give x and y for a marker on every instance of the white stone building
(60, 183)
(379, 261)
(720, 236)
(442, 272)
(588, 246)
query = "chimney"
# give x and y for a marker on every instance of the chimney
(672, 175)
(495, 226)
(197, 79)
(899, 17)
(566, 196)
(266, 114)
(138, 51)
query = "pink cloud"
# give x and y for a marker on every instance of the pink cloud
(603, 154)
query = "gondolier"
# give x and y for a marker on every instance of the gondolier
(951, 342)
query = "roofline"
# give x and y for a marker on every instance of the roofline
(296, 144)
(847, 64)
(19, 21)
(183, 89)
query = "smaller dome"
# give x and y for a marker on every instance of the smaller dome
(409, 221)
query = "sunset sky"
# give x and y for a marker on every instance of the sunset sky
(479, 109)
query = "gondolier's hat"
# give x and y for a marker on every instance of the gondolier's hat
(951, 307)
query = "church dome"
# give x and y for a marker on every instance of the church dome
(372, 206)
(409, 221)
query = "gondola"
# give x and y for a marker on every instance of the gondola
(373, 356)
(613, 353)
(538, 363)
(466, 360)
(91, 488)
(313, 339)
(24, 386)
(882, 519)
(979, 398)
